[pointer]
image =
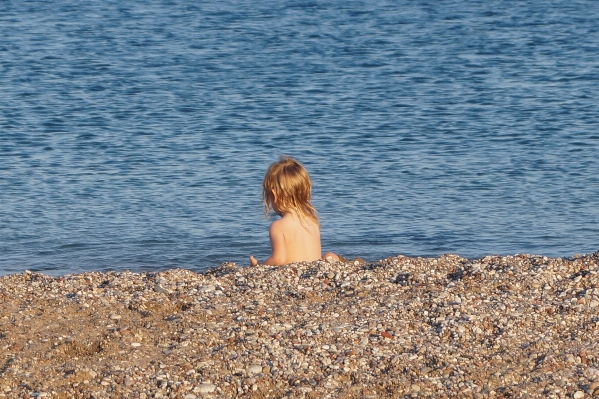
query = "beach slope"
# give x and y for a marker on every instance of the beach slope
(500, 326)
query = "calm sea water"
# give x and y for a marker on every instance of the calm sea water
(135, 135)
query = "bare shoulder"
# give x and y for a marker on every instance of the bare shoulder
(290, 225)
(277, 227)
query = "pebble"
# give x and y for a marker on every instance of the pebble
(206, 388)
(571, 359)
(578, 395)
(255, 369)
(160, 289)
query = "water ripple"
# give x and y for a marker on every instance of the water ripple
(135, 136)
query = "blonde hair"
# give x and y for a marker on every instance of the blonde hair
(289, 182)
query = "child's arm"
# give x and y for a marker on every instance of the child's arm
(277, 243)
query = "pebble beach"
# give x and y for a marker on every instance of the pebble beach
(521, 326)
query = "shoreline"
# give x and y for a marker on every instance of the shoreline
(498, 326)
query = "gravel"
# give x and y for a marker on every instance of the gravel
(521, 326)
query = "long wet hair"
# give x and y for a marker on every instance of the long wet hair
(289, 181)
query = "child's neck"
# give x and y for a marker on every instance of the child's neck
(290, 214)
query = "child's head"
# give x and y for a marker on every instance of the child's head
(287, 186)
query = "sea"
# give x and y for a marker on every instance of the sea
(135, 135)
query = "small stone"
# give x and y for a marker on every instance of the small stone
(415, 388)
(135, 344)
(115, 316)
(571, 359)
(160, 289)
(255, 369)
(426, 370)
(578, 395)
(189, 396)
(266, 369)
(206, 388)
(206, 289)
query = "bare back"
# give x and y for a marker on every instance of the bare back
(295, 240)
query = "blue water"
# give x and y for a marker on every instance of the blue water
(135, 135)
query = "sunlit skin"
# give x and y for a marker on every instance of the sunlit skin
(293, 238)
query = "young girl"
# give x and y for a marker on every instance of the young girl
(295, 237)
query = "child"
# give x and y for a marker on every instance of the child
(295, 237)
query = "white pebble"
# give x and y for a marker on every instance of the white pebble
(255, 369)
(206, 388)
